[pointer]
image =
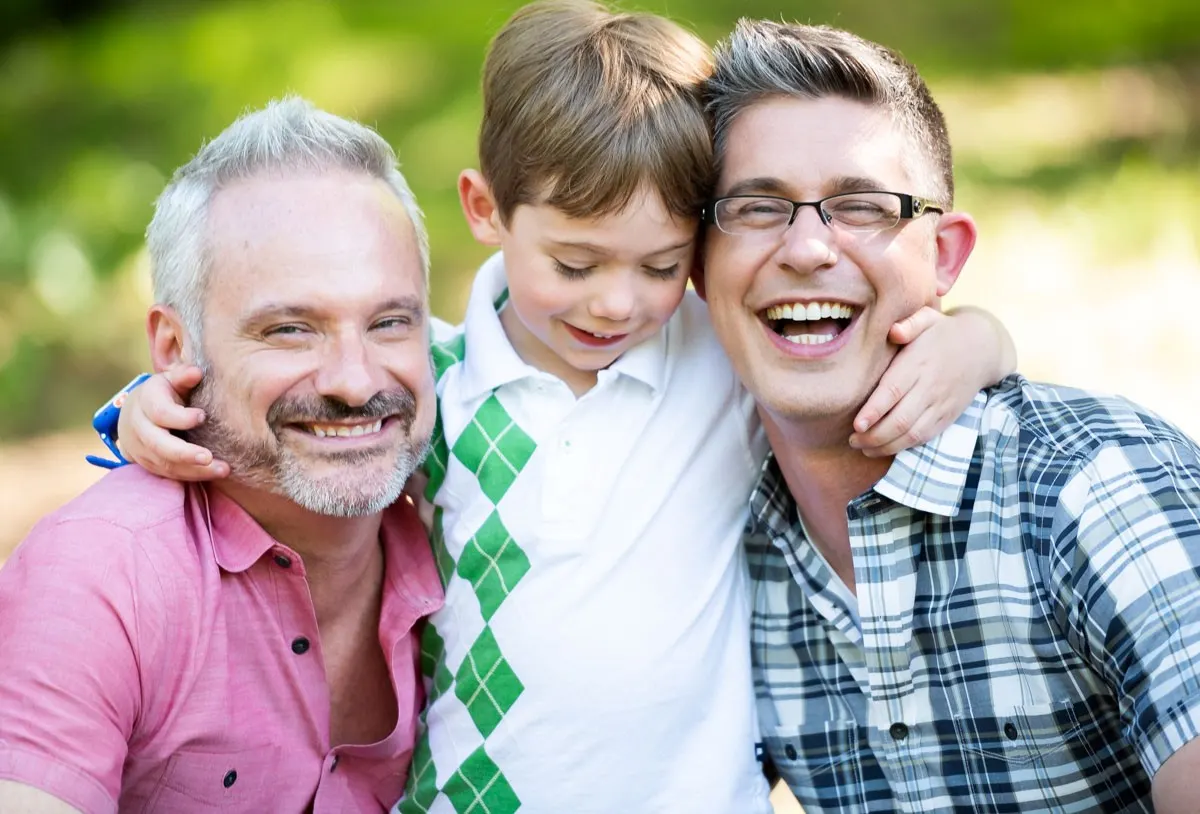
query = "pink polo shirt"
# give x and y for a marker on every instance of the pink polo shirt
(159, 652)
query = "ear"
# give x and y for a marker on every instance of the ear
(169, 343)
(479, 207)
(956, 235)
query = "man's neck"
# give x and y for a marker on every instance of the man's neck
(341, 555)
(824, 473)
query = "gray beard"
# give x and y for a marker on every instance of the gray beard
(274, 467)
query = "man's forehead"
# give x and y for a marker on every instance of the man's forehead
(825, 145)
(335, 237)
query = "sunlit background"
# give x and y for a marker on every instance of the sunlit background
(1075, 124)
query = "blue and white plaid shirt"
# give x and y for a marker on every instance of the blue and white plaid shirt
(1028, 585)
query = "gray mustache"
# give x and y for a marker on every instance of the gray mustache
(400, 403)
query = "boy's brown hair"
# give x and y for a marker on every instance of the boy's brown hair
(583, 106)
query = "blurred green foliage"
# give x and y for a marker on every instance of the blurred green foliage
(96, 109)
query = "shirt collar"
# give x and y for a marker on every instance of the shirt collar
(491, 361)
(410, 572)
(238, 541)
(931, 477)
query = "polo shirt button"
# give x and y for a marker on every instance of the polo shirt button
(790, 751)
(898, 731)
(230, 778)
(333, 764)
(300, 645)
(1010, 731)
(282, 561)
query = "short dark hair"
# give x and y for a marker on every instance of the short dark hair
(762, 59)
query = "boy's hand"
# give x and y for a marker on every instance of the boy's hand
(149, 414)
(946, 360)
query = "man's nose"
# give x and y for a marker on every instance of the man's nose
(808, 244)
(350, 372)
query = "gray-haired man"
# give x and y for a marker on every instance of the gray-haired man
(1006, 618)
(247, 644)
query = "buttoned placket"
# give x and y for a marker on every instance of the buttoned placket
(885, 576)
(300, 636)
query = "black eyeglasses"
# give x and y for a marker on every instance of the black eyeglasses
(867, 211)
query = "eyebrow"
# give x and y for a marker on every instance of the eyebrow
(602, 251)
(284, 310)
(767, 185)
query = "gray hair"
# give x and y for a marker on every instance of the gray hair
(287, 134)
(763, 59)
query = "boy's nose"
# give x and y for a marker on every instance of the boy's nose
(615, 302)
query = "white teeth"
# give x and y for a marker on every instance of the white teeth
(799, 312)
(341, 431)
(810, 339)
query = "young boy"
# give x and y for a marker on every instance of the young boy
(595, 450)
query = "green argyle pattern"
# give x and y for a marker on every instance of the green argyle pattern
(491, 450)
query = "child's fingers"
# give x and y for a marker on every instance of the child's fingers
(171, 416)
(887, 394)
(908, 329)
(182, 378)
(183, 471)
(154, 442)
(910, 423)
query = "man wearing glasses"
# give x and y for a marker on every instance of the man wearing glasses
(1006, 618)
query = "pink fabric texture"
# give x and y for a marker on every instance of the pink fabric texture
(151, 659)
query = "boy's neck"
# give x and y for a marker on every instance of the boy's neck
(535, 354)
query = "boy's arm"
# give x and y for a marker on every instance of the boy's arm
(946, 359)
(147, 417)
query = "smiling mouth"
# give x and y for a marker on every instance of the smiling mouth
(809, 323)
(341, 430)
(596, 339)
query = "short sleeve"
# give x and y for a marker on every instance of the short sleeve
(71, 692)
(1130, 519)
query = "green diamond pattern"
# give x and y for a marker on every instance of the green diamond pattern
(438, 458)
(494, 448)
(421, 789)
(493, 563)
(485, 683)
(478, 787)
(433, 648)
(437, 541)
(442, 679)
(446, 354)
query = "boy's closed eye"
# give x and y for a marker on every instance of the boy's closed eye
(578, 273)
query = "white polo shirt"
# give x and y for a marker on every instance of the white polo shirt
(593, 651)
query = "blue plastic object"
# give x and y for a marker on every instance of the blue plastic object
(105, 424)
